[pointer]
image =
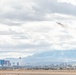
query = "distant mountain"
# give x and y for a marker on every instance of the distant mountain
(49, 57)
(56, 56)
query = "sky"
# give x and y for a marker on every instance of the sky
(28, 27)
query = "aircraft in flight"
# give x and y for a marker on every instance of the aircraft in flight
(60, 24)
(68, 29)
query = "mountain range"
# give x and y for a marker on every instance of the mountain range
(48, 57)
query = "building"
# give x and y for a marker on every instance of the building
(2, 62)
(5, 63)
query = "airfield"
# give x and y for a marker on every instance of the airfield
(38, 72)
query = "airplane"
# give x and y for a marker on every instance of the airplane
(60, 24)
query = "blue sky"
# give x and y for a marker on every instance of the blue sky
(30, 26)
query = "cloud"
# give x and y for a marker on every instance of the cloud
(17, 12)
(53, 6)
(73, 2)
(14, 55)
(36, 37)
(30, 26)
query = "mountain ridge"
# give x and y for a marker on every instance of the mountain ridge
(48, 57)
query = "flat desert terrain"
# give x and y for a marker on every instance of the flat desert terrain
(38, 72)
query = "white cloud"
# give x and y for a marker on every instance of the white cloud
(14, 55)
(30, 26)
(68, 1)
(38, 37)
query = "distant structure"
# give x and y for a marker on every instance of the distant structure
(20, 61)
(5, 63)
(19, 57)
(17, 63)
(2, 62)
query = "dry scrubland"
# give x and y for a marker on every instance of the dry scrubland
(38, 72)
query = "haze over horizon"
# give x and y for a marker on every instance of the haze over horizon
(29, 27)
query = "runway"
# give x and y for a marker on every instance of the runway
(37, 72)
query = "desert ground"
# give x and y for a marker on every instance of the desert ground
(38, 72)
